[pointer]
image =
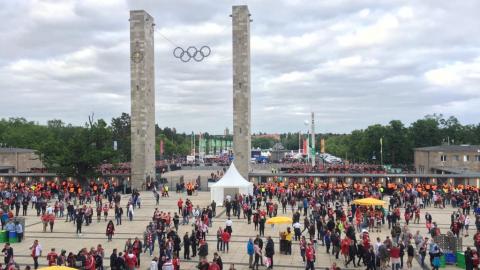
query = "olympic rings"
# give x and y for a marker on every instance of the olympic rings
(192, 53)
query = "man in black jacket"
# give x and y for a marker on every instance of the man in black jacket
(186, 247)
(203, 249)
(113, 260)
(270, 251)
(120, 262)
(8, 253)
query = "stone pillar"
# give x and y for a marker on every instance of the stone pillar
(241, 89)
(142, 74)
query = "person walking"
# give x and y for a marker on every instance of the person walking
(118, 215)
(310, 256)
(79, 222)
(130, 212)
(8, 253)
(203, 250)
(186, 247)
(250, 252)
(269, 252)
(36, 249)
(225, 240)
(110, 230)
(19, 230)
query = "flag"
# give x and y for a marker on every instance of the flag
(161, 147)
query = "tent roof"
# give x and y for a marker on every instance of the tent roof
(232, 178)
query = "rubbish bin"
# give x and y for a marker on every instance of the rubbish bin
(460, 260)
(3, 236)
(442, 261)
(450, 258)
(12, 237)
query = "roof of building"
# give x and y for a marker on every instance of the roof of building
(451, 148)
(16, 150)
(455, 170)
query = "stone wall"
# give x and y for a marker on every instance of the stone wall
(142, 97)
(23, 162)
(241, 88)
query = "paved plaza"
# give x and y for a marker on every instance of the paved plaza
(64, 236)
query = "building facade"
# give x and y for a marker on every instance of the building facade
(447, 159)
(18, 160)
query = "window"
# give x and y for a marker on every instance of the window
(477, 158)
(456, 157)
(443, 158)
(466, 158)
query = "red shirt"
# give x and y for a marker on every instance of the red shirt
(130, 260)
(225, 236)
(52, 258)
(395, 252)
(310, 254)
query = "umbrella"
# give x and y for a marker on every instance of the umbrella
(369, 201)
(279, 220)
(56, 267)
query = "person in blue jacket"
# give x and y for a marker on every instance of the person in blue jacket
(250, 252)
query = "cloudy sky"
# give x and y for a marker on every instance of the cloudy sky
(354, 63)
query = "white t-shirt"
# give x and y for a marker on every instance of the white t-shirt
(153, 265)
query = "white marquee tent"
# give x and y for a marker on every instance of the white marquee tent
(230, 184)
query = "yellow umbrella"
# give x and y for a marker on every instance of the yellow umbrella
(369, 202)
(56, 267)
(279, 220)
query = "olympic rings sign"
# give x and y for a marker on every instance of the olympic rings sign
(191, 53)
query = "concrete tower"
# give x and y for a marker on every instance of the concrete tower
(142, 72)
(241, 89)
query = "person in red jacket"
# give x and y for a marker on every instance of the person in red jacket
(395, 256)
(52, 257)
(130, 260)
(310, 256)
(180, 205)
(225, 240)
(90, 261)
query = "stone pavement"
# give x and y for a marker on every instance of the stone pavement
(64, 237)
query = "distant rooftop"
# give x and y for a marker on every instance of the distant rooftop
(16, 150)
(451, 148)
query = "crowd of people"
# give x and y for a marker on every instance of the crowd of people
(330, 219)
(337, 168)
(323, 217)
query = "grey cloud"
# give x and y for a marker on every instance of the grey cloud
(306, 55)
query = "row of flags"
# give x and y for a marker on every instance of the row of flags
(212, 146)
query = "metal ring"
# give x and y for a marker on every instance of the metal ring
(192, 51)
(205, 51)
(185, 57)
(178, 52)
(198, 56)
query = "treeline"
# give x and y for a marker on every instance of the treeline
(398, 140)
(78, 150)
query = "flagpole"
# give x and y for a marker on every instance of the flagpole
(381, 151)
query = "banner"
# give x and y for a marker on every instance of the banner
(305, 146)
(161, 147)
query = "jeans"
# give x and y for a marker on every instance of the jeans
(149, 247)
(119, 220)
